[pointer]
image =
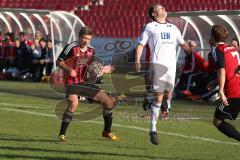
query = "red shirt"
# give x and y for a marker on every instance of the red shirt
(77, 59)
(228, 57)
(194, 63)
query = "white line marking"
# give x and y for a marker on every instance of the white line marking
(16, 105)
(131, 127)
(28, 112)
(171, 118)
(171, 134)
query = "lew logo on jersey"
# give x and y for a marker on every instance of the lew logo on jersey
(165, 35)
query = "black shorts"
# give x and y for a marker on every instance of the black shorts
(230, 111)
(85, 90)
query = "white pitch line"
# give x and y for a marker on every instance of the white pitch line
(172, 134)
(132, 127)
(28, 112)
(16, 105)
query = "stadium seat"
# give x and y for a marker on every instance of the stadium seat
(127, 15)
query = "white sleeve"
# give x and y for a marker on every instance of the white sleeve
(143, 39)
(179, 37)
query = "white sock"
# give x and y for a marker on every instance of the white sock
(168, 105)
(154, 113)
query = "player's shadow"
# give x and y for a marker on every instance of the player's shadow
(97, 153)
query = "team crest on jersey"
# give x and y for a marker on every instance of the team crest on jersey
(83, 61)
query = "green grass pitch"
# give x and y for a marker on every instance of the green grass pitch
(29, 130)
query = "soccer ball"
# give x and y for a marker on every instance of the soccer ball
(93, 71)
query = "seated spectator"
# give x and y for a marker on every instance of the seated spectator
(210, 87)
(37, 35)
(39, 52)
(8, 51)
(49, 58)
(24, 40)
(36, 66)
(9, 39)
(23, 55)
(194, 67)
(43, 58)
(205, 87)
(235, 43)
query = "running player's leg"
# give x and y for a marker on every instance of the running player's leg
(169, 98)
(72, 101)
(223, 112)
(158, 81)
(168, 85)
(154, 114)
(147, 87)
(108, 103)
(166, 104)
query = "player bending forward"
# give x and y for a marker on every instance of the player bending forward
(74, 60)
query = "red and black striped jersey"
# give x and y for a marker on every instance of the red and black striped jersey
(77, 59)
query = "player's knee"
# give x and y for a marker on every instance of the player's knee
(216, 121)
(158, 97)
(109, 103)
(72, 103)
(114, 101)
(169, 95)
(158, 100)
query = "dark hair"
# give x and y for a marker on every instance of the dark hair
(22, 33)
(85, 31)
(151, 10)
(43, 39)
(219, 33)
(235, 39)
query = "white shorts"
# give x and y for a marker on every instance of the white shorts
(162, 78)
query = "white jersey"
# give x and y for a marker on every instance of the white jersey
(162, 40)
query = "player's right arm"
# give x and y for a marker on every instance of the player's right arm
(62, 65)
(142, 41)
(61, 61)
(138, 54)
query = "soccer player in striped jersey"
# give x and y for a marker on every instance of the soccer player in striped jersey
(75, 60)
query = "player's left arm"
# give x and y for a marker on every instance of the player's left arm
(108, 69)
(221, 75)
(187, 46)
(105, 69)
